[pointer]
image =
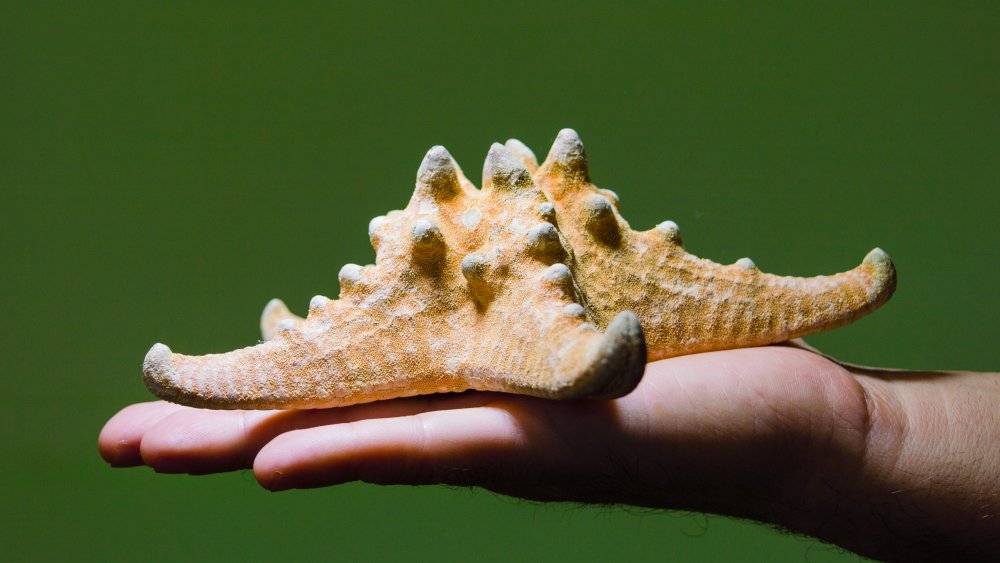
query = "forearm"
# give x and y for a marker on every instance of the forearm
(927, 486)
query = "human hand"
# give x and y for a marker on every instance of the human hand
(775, 434)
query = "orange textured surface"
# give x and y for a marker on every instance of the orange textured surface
(534, 284)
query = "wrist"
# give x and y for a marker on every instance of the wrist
(925, 485)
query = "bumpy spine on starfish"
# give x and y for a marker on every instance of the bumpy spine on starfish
(467, 292)
(508, 288)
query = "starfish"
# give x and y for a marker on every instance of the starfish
(534, 284)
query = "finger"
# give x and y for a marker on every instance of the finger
(121, 436)
(205, 441)
(511, 446)
(404, 449)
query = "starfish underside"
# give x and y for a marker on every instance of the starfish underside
(534, 284)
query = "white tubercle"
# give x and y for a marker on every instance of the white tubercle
(375, 224)
(472, 217)
(502, 170)
(424, 230)
(670, 230)
(668, 227)
(567, 151)
(438, 174)
(474, 266)
(599, 218)
(573, 310)
(557, 273)
(598, 205)
(746, 264)
(877, 257)
(544, 238)
(349, 274)
(318, 303)
(522, 152)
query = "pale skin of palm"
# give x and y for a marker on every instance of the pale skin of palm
(890, 464)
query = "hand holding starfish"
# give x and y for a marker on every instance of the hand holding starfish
(888, 464)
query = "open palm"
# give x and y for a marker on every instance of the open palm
(888, 463)
(698, 429)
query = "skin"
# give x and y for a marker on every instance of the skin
(890, 464)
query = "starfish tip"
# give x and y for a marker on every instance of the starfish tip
(883, 272)
(158, 370)
(877, 257)
(618, 360)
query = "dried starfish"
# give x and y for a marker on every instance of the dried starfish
(534, 284)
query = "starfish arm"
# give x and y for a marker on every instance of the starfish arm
(688, 304)
(544, 349)
(695, 305)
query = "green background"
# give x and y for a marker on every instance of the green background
(166, 169)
